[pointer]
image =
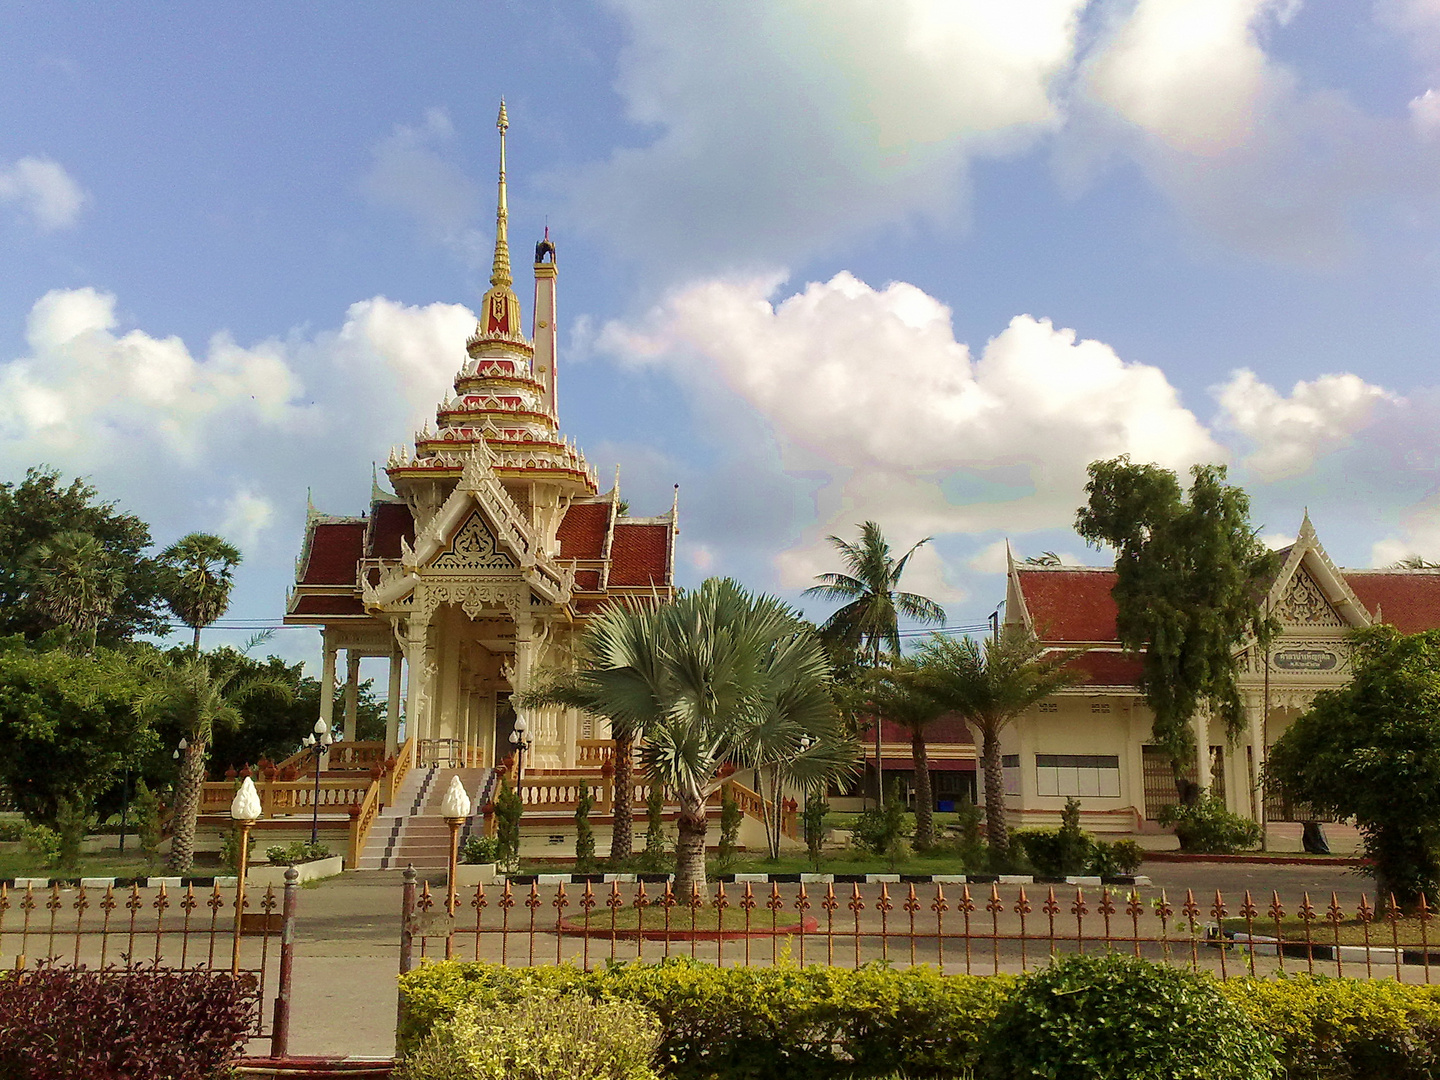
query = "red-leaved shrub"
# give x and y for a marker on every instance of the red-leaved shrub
(136, 1023)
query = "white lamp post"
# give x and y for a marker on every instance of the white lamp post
(320, 742)
(454, 809)
(522, 739)
(245, 809)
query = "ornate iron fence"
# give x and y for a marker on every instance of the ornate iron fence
(976, 929)
(117, 927)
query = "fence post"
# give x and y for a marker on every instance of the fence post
(280, 1030)
(407, 939)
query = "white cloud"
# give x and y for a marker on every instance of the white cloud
(247, 515)
(1419, 534)
(42, 190)
(774, 126)
(1290, 433)
(871, 397)
(1425, 114)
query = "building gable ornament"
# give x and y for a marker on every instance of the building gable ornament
(474, 548)
(1304, 604)
(474, 598)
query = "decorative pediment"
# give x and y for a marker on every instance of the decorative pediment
(1309, 593)
(1303, 603)
(474, 547)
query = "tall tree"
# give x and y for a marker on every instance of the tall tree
(196, 693)
(989, 685)
(868, 621)
(1370, 750)
(1190, 573)
(39, 508)
(202, 573)
(76, 582)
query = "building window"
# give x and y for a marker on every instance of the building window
(1049, 706)
(1010, 763)
(1099, 706)
(1096, 775)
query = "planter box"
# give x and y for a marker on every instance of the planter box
(472, 874)
(265, 874)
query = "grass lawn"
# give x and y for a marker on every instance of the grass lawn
(99, 864)
(1352, 931)
(837, 862)
(706, 918)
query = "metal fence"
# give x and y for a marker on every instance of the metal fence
(975, 929)
(114, 928)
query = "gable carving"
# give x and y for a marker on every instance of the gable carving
(474, 548)
(1304, 604)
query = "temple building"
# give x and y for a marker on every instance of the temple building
(1091, 741)
(487, 559)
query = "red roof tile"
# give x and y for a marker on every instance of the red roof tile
(336, 547)
(582, 533)
(1109, 668)
(389, 524)
(640, 555)
(1408, 599)
(1070, 605)
(947, 729)
(328, 605)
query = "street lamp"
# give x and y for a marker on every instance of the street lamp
(319, 743)
(522, 739)
(454, 809)
(245, 808)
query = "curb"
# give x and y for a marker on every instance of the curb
(1257, 858)
(1139, 880)
(34, 883)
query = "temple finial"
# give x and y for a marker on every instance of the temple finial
(500, 271)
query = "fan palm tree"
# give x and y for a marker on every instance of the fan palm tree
(897, 694)
(989, 685)
(198, 693)
(76, 581)
(868, 622)
(202, 573)
(618, 646)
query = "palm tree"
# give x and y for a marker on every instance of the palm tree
(77, 582)
(198, 693)
(618, 644)
(202, 573)
(989, 685)
(869, 620)
(897, 694)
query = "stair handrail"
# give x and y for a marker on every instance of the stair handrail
(362, 819)
(396, 769)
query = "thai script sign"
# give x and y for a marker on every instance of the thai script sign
(1305, 660)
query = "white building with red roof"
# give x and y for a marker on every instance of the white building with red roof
(490, 555)
(1092, 740)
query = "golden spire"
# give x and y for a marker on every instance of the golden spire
(500, 272)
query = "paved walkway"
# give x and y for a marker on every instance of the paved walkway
(348, 952)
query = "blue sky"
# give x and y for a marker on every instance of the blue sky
(915, 261)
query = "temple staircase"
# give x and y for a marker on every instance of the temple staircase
(411, 832)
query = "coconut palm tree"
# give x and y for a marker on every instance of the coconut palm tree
(197, 693)
(868, 622)
(76, 581)
(202, 573)
(897, 694)
(989, 685)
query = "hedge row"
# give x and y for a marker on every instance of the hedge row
(815, 1022)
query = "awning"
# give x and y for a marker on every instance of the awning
(906, 764)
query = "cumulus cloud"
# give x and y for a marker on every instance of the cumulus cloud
(42, 191)
(1290, 432)
(1419, 534)
(775, 126)
(870, 396)
(247, 515)
(414, 170)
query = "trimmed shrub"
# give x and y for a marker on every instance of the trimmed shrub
(479, 849)
(294, 853)
(545, 1037)
(584, 832)
(730, 819)
(122, 1024)
(1345, 1029)
(1206, 828)
(1116, 1018)
(43, 844)
(1111, 860)
(1059, 852)
(509, 809)
(882, 830)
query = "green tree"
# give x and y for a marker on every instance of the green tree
(201, 574)
(198, 693)
(68, 723)
(868, 620)
(584, 832)
(76, 582)
(1371, 750)
(897, 694)
(989, 685)
(41, 507)
(1189, 575)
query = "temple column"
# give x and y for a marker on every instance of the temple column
(352, 694)
(415, 688)
(327, 680)
(392, 704)
(1201, 722)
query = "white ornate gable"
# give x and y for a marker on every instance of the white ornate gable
(474, 547)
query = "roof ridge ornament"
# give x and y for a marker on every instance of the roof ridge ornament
(500, 271)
